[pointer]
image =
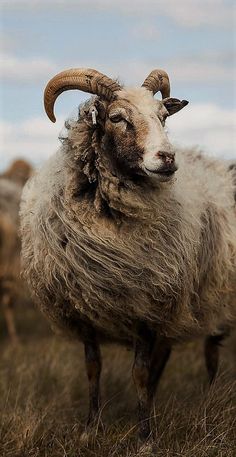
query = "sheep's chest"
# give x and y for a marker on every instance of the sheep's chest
(124, 277)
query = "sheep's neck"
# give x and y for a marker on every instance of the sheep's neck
(97, 185)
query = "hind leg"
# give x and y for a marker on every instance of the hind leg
(212, 349)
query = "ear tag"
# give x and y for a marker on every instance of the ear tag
(94, 113)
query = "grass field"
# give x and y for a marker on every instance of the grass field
(43, 398)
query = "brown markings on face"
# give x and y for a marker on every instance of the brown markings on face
(125, 131)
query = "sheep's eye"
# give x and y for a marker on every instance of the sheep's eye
(116, 118)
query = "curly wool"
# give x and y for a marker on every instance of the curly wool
(124, 252)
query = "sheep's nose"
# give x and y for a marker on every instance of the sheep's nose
(167, 157)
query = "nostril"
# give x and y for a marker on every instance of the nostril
(167, 157)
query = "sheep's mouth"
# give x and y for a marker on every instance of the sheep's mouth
(163, 172)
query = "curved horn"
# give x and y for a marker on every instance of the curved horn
(84, 79)
(158, 80)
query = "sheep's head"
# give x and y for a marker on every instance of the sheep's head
(131, 121)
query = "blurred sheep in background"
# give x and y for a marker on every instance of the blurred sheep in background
(11, 285)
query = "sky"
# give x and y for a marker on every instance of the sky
(193, 40)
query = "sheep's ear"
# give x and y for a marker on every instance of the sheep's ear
(101, 106)
(173, 105)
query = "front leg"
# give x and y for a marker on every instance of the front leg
(160, 356)
(212, 346)
(93, 367)
(141, 376)
(151, 356)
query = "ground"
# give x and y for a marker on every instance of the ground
(43, 399)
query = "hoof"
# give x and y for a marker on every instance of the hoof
(85, 438)
(148, 449)
(119, 449)
(90, 433)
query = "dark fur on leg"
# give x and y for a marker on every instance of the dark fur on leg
(151, 355)
(141, 374)
(160, 357)
(93, 366)
(212, 345)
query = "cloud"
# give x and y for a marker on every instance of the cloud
(188, 13)
(205, 125)
(34, 139)
(146, 31)
(193, 13)
(211, 128)
(200, 68)
(203, 68)
(8, 42)
(25, 70)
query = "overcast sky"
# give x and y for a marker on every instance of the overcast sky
(193, 40)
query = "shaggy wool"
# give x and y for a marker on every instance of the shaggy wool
(119, 253)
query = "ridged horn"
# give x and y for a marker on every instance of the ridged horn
(158, 80)
(85, 79)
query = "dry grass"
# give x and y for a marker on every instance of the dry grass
(43, 397)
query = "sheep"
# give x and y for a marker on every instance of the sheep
(19, 172)
(118, 245)
(11, 183)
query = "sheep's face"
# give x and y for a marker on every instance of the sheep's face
(134, 131)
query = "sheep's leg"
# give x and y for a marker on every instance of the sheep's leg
(160, 356)
(141, 377)
(93, 368)
(9, 317)
(212, 345)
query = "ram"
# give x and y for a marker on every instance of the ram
(120, 246)
(11, 184)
